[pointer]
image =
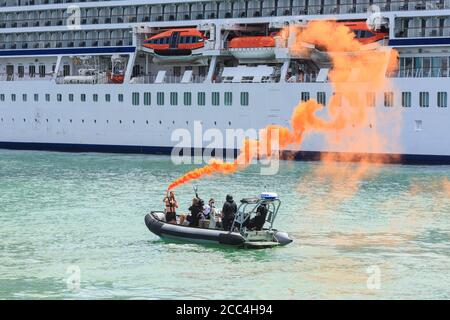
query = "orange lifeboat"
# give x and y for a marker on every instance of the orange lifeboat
(117, 78)
(363, 34)
(253, 47)
(252, 42)
(176, 42)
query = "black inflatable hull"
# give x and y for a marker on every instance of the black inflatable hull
(197, 235)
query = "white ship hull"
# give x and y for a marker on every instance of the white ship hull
(122, 127)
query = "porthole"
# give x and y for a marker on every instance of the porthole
(146, 121)
(95, 121)
(215, 123)
(160, 122)
(24, 120)
(46, 120)
(134, 121)
(120, 121)
(12, 119)
(107, 121)
(173, 122)
(229, 123)
(35, 120)
(70, 120)
(187, 122)
(59, 120)
(82, 120)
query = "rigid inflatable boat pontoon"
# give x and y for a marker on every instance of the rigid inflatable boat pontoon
(239, 237)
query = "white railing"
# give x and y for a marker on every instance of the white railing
(149, 79)
(25, 77)
(421, 73)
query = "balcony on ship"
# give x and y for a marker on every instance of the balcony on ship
(423, 67)
(421, 27)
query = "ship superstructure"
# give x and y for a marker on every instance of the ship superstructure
(126, 75)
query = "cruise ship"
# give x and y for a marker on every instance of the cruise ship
(123, 76)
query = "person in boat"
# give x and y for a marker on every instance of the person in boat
(196, 210)
(257, 222)
(171, 205)
(210, 213)
(229, 210)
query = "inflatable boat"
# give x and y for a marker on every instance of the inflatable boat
(243, 233)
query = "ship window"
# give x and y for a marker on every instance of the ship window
(47, 97)
(442, 99)
(24, 97)
(388, 99)
(95, 97)
(107, 97)
(322, 98)
(31, 71)
(36, 97)
(66, 70)
(418, 125)
(120, 97)
(71, 97)
(2, 97)
(173, 98)
(215, 98)
(13, 97)
(160, 98)
(42, 71)
(305, 96)
(406, 99)
(182, 40)
(21, 71)
(370, 99)
(424, 99)
(83, 97)
(228, 98)
(59, 97)
(244, 98)
(201, 98)
(187, 98)
(147, 98)
(135, 98)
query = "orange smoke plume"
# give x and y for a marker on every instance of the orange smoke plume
(355, 71)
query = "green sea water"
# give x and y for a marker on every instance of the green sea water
(385, 236)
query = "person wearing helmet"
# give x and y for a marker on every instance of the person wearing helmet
(229, 210)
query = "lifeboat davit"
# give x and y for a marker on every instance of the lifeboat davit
(177, 44)
(253, 48)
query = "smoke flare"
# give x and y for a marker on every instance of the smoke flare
(356, 71)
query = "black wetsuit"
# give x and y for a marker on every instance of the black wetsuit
(229, 209)
(258, 221)
(196, 211)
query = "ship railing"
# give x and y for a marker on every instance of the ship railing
(238, 12)
(307, 77)
(420, 32)
(25, 77)
(420, 73)
(150, 79)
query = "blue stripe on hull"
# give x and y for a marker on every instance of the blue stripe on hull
(296, 155)
(419, 41)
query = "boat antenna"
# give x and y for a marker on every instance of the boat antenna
(195, 190)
